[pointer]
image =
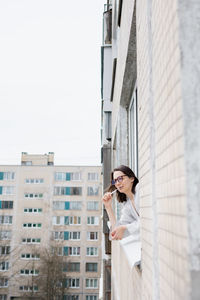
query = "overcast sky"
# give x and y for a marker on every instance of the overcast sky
(50, 79)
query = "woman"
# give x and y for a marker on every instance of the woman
(123, 181)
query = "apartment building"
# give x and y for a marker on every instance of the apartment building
(151, 122)
(49, 216)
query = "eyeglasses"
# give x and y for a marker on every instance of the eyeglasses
(118, 179)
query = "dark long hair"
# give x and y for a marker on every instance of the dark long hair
(121, 197)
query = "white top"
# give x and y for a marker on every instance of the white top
(130, 218)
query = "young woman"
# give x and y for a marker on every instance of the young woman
(124, 181)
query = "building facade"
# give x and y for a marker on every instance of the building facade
(150, 87)
(49, 216)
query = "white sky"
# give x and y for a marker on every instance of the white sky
(50, 79)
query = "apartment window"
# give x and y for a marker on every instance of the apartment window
(61, 190)
(32, 225)
(3, 282)
(33, 195)
(92, 251)
(7, 175)
(93, 176)
(6, 220)
(133, 133)
(6, 204)
(91, 267)
(33, 272)
(30, 256)
(3, 297)
(72, 267)
(34, 180)
(5, 235)
(60, 176)
(91, 297)
(75, 205)
(74, 251)
(57, 251)
(92, 220)
(91, 283)
(74, 220)
(71, 297)
(92, 205)
(73, 282)
(92, 236)
(7, 190)
(33, 210)
(60, 220)
(74, 235)
(4, 265)
(93, 190)
(4, 250)
(58, 235)
(31, 241)
(75, 176)
(58, 205)
(28, 288)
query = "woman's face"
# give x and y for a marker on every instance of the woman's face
(122, 182)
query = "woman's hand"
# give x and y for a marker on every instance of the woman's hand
(107, 200)
(118, 232)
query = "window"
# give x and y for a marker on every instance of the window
(75, 176)
(74, 235)
(92, 236)
(92, 283)
(32, 225)
(31, 241)
(93, 176)
(6, 220)
(7, 175)
(73, 282)
(34, 180)
(61, 176)
(8, 190)
(71, 297)
(74, 220)
(6, 204)
(3, 297)
(57, 250)
(91, 297)
(58, 205)
(72, 267)
(32, 272)
(3, 282)
(60, 220)
(61, 190)
(4, 250)
(75, 205)
(28, 288)
(5, 235)
(58, 235)
(93, 190)
(74, 251)
(133, 133)
(92, 220)
(30, 256)
(33, 195)
(92, 251)
(91, 267)
(4, 265)
(92, 205)
(32, 210)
